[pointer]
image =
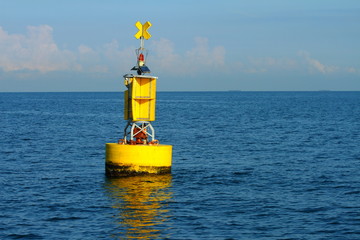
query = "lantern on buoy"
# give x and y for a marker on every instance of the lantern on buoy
(141, 60)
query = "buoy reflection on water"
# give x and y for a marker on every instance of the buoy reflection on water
(141, 204)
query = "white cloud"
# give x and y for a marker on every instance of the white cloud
(316, 65)
(198, 59)
(166, 58)
(37, 51)
(202, 55)
(34, 51)
(265, 64)
(352, 70)
(119, 60)
(83, 50)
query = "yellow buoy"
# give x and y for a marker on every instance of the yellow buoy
(139, 152)
(127, 160)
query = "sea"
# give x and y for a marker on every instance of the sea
(246, 165)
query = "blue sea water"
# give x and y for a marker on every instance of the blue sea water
(246, 165)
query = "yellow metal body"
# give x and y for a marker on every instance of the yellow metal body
(140, 98)
(125, 160)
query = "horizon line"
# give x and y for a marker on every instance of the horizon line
(184, 91)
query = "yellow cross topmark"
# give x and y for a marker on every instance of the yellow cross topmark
(142, 30)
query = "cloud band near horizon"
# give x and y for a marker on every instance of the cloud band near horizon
(37, 51)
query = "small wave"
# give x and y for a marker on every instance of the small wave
(313, 210)
(25, 139)
(352, 192)
(24, 236)
(55, 219)
(242, 173)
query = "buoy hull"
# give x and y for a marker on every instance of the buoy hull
(128, 160)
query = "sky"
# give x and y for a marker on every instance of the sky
(202, 45)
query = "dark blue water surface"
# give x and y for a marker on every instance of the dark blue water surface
(246, 165)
